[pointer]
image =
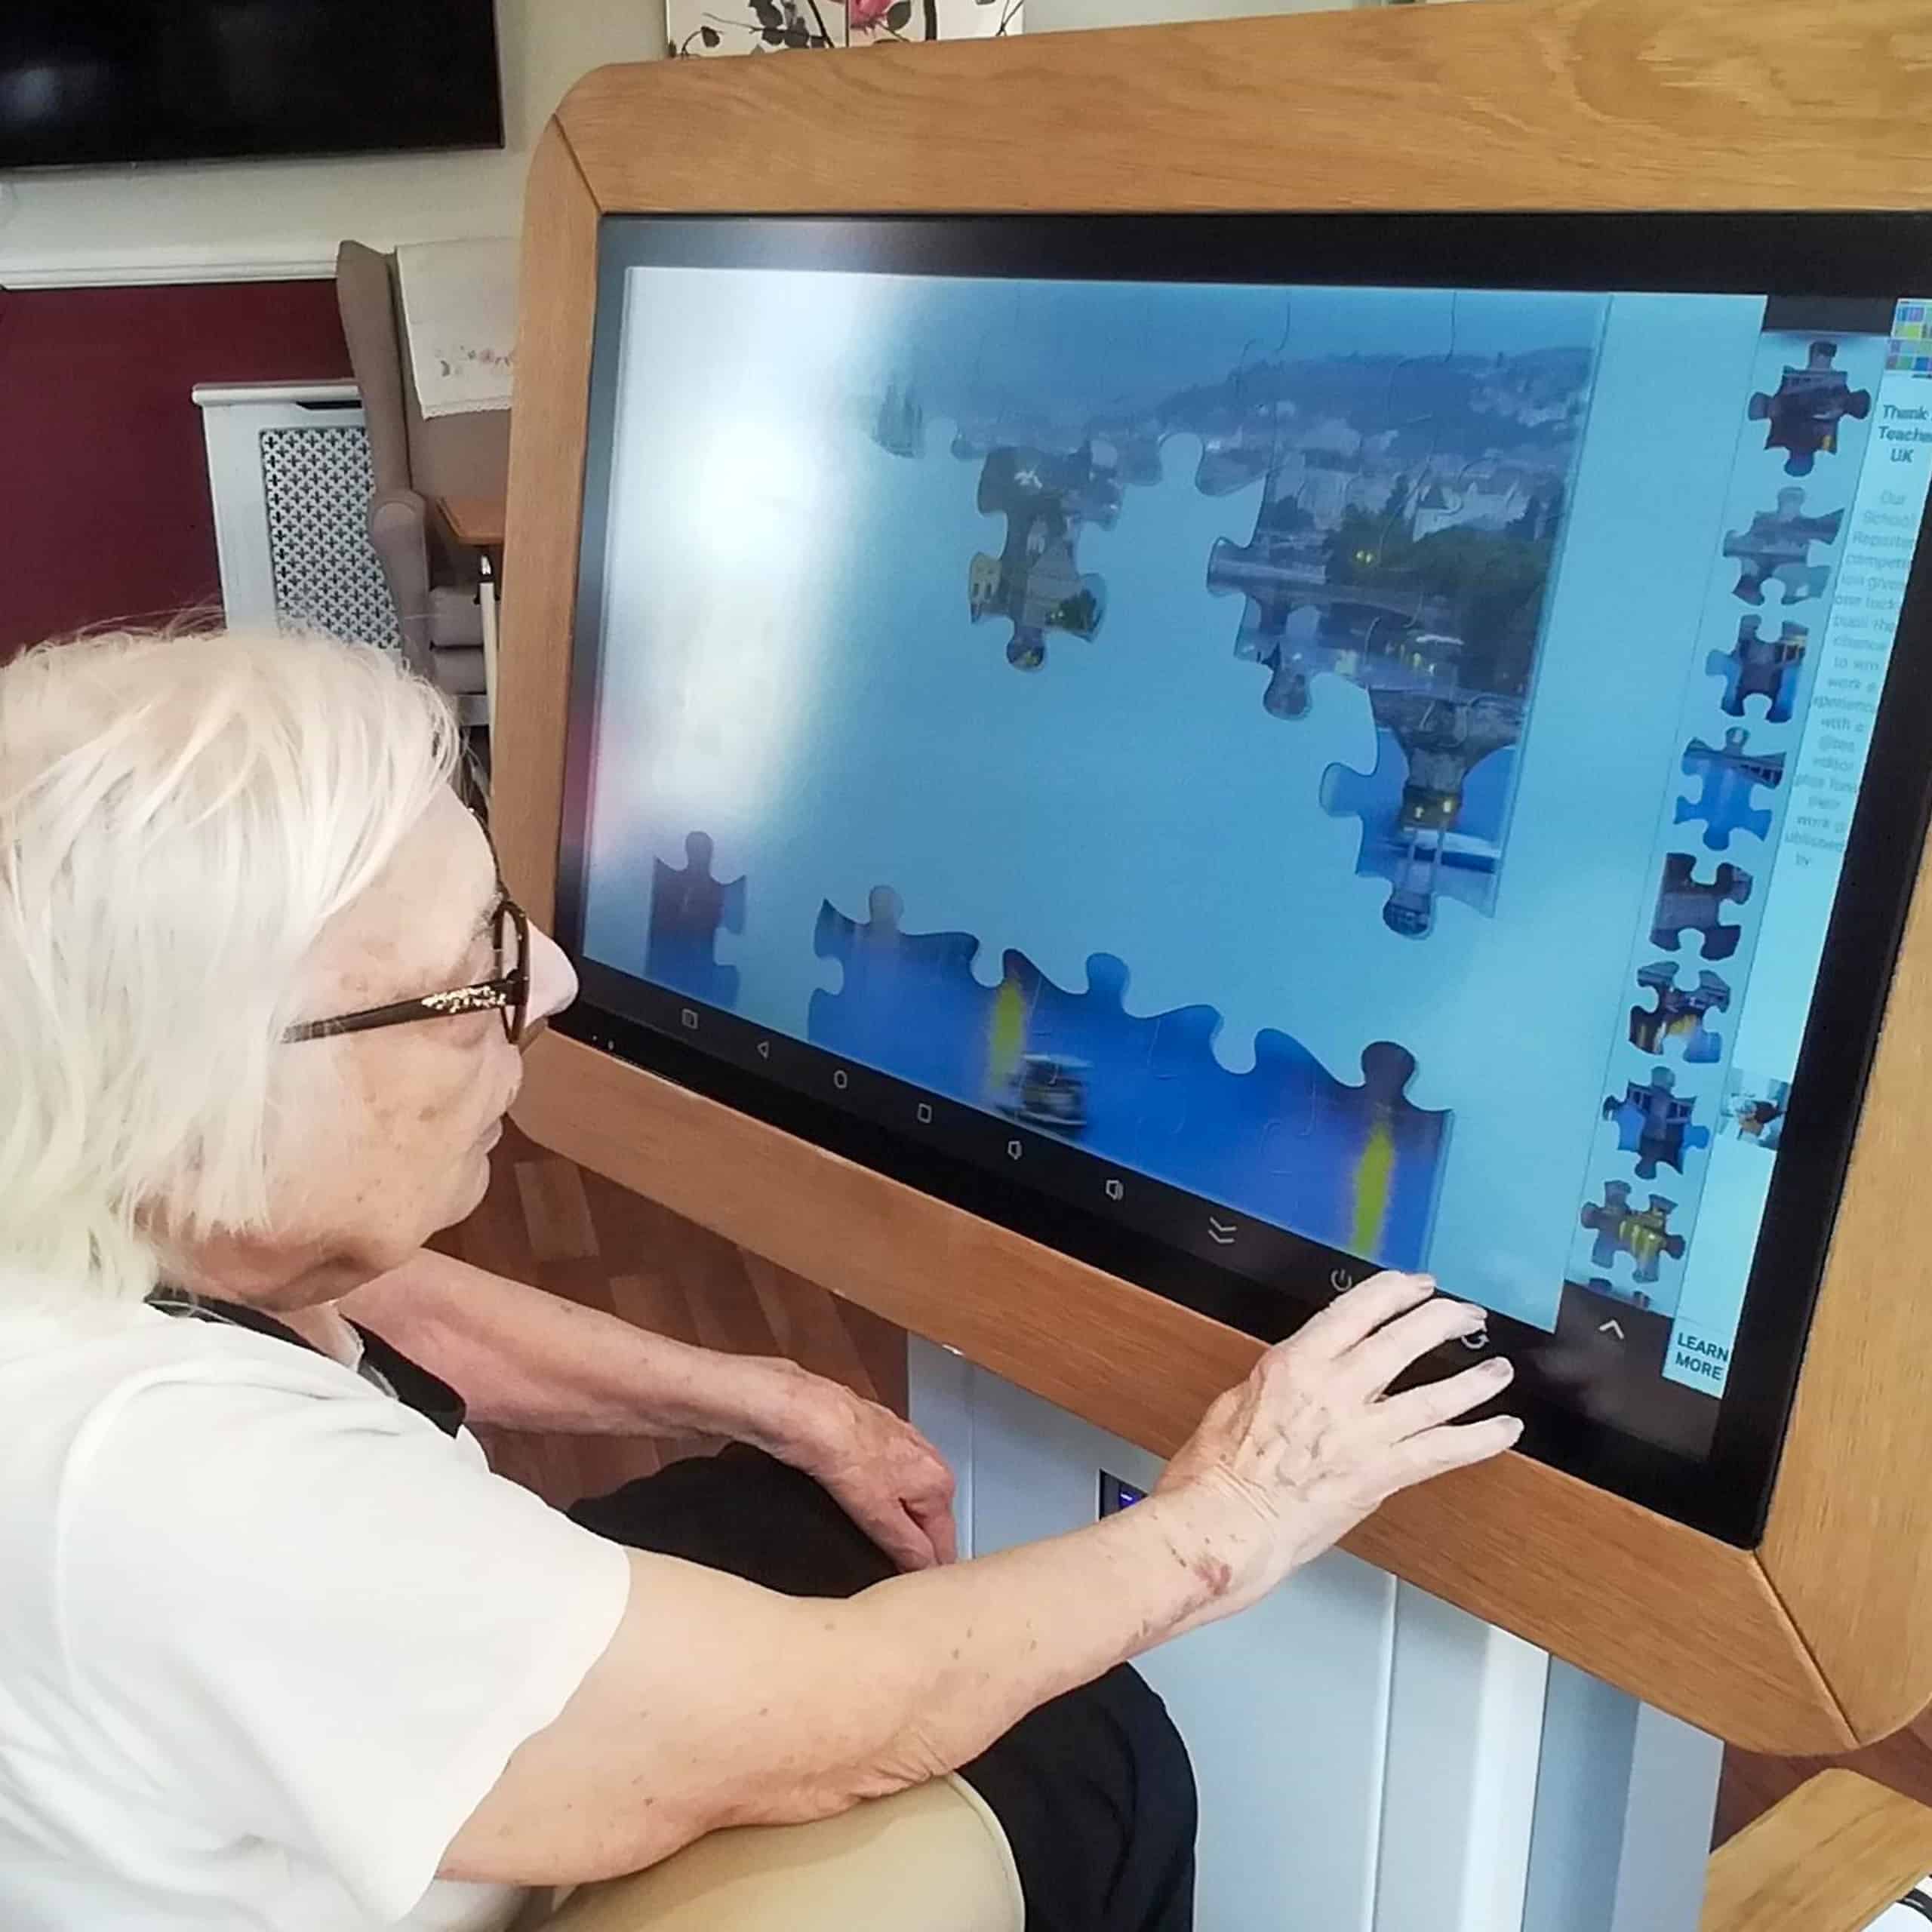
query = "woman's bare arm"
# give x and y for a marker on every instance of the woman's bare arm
(523, 1358)
(720, 1703)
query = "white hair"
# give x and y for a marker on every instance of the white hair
(180, 816)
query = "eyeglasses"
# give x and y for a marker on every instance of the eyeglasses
(508, 993)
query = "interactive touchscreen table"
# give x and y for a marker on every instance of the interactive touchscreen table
(1218, 750)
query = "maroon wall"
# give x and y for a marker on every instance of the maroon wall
(104, 509)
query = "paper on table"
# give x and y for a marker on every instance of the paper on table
(459, 309)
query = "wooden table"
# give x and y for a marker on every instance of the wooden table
(1829, 1858)
(477, 524)
(474, 521)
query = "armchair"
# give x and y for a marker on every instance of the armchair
(416, 460)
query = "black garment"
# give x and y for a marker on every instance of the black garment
(1094, 1789)
(388, 1369)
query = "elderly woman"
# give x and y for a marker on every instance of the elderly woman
(276, 1649)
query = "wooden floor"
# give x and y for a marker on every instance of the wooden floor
(546, 1221)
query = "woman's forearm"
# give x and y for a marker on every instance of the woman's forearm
(955, 1657)
(524, 1359)
(718, 1703)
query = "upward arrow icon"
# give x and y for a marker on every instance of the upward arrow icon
(1611, 1327)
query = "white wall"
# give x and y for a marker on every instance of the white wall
(1057, 16)
(245, 220)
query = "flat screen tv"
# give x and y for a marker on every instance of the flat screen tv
(1254, 749)
(91, 82)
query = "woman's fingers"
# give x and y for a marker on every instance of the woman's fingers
(1350, 1318)
(935, 1521)
(1436, 1451)
(903, 1537)
(1300, 1453)
(1367, 1370)
(1417, 1410)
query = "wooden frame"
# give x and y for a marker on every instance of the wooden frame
(1829, 1858)
(1821, 1636)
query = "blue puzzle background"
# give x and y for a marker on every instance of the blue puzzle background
(1125, 833)
(1731, 774)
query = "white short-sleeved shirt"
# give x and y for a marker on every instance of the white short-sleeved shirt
(267, 1636)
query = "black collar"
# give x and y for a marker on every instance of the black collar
(390, 1369)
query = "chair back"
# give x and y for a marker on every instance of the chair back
(466, 455)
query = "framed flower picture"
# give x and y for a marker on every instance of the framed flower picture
(708, 28)
(870, 22)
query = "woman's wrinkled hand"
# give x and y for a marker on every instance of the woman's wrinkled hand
(886, 1476)
(1289, 1461)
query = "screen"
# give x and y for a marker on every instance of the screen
(1261, 749)
(91, 82)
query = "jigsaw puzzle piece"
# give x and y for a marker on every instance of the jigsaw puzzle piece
(1081, 1053)
(1135, 448)
(1802, 414)
(1107, 984)
(1730, 773)
(1281, 572)
(1686, 904)
(1295, 621)
(1070, 1062)
(1755, 1110)
(688, 909)
(1294, 1142)
(1432, 809)
(1276, 582)
(899, 428)
(1393, 1151)
(1641, 1235)
(1244, 420)
(1654, 1124)
(1759, 666)
(1372, 797)
(1092, 1025)
(1800, 583)
(1235, 457)
(1679, 1014)
(878, 955)
(1777, 548)
(1178, 1074)
(907, 1002)
(1296, 1085)
(1034, 583)
(1356, 1167)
